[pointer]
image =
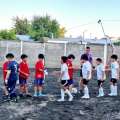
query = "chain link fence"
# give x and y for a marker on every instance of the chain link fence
(52, 51)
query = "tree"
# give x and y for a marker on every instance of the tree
(44, 27)
(21, 26)
(62, 32)
(7, 35)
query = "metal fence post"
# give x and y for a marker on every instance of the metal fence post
(7, 47)
(65, 49)
(105, 54)
(21, 47)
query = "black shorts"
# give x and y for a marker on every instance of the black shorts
(85, 82)
(64, 83)
(100, 82)
(113, 80)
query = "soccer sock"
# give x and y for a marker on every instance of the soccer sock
(101, 92)
(115, 89)
(111, 88)
(62, 94)
(86, 91)
(69, 93)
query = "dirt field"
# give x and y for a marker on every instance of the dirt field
(47, 108)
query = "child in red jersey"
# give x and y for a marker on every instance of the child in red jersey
(5, 67)
(71, 57)
(39, 76)
(23, 74)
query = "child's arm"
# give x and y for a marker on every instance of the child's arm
(118, 73)
(61, 75)
(103, 75)
(23, 73)
(88, 75)
(7, 76)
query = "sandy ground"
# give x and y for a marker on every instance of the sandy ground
(47, 108)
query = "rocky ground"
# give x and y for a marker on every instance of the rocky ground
(47, 108)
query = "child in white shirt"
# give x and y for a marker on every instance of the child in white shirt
(100, 76)
(87, 73)
(114, 75)
(64, 80)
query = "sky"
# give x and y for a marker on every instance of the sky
(77, 16)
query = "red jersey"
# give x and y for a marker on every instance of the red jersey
(39, 70)
(24, 68)
(5, 68)
(70, 69)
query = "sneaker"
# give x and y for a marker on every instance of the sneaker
(70, 99)
(35, 95)
(61, 100)
(40, 94)
(85, 97)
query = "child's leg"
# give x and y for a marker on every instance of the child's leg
(101, 92)
(40, 88)
(113, 87)
(86, 90)
(70, 85)
(5, 90)
(35, 91)
(81, 86)
(67, 91)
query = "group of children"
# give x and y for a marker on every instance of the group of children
(86, 75)
(12, 71)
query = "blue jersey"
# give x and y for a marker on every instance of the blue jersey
(13, 67)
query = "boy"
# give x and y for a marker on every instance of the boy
(5, 66)
(12, 75)
(23, 74)
(39, 76)
(100, 76)
(71, 57)
(64, 76)
(86, 72)
(114, 75)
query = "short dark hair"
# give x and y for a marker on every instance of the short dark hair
(99, 60)
(84, 57)
(23, 56)
(71, 56)
(87, 47)
(114, 56)
(10, 55)
(41, 56)
(64, 59)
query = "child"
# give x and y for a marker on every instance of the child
(23, 74)
(12, 75)
(114, 75)
(86, 72)
(100, 76)
(39, 76)
(5, 66)
(71, 57)
(64, 80)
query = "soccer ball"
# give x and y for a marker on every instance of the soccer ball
(74, 90)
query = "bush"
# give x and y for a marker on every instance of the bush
(7, 35)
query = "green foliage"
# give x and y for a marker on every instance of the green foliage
(44, 27)
(7, 35)
(118, 42)
(40, 28)
(21, 26)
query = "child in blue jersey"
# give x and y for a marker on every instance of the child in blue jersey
(12, 75)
